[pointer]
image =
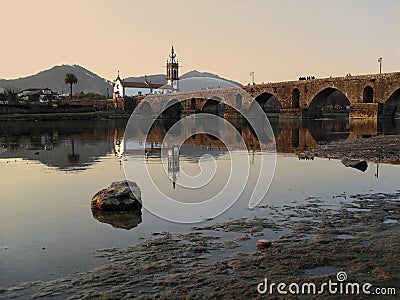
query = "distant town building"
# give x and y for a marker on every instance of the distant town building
(40, 94)
(124, 88)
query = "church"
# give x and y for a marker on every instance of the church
(124, 88)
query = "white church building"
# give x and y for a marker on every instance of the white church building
(124, 88)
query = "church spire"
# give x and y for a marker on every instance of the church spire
(172, 70)
(172, 55)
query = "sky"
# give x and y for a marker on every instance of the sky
(277, 40)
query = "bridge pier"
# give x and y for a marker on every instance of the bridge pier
(231, 113)
(364, 111)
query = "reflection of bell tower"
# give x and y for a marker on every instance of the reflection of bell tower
(172, 71)
(173, 163)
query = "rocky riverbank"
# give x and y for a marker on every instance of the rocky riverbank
(383, 149)
(357, 234)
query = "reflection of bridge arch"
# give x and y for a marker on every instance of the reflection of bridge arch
(328, 130)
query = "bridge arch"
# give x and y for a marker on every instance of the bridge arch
(392, 105)
(295, 98)
(214, 106)
(173, 108)
(145, 108)
(368, 95)
(193, 104)
(330, 100)
(268, 102)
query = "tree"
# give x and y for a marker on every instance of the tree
(70, 79)
(11, 95)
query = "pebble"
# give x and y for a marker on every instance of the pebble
(263, 243)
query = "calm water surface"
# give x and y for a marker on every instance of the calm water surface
(50, 171)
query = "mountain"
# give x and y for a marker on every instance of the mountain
(212, 80)
(195, 73)
(88, 82)
(156, 78)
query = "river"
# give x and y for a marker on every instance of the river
(50, 170)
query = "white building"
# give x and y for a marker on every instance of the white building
(124, 88)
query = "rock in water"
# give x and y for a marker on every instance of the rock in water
(118, 196)
(356, 164)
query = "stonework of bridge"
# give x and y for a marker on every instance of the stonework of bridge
(364, 96)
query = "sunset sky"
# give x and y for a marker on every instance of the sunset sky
(278, 40)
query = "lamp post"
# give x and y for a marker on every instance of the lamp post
(380, 64)
(252, 77)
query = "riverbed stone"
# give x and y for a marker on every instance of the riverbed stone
(118, 197)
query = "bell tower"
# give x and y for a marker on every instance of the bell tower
(172, 71)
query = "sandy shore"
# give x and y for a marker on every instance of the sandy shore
(360, 235)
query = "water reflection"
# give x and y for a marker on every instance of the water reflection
(118, 219)
(66, 145)
(76, 145)
(356, 164)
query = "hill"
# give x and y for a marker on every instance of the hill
(88, 82)
(196, 74)
(161, 78)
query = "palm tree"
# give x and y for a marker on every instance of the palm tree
(70, 79)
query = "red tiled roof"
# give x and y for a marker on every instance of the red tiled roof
(145, 85)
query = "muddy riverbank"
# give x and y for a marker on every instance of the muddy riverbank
(379, 149)
(359, 235)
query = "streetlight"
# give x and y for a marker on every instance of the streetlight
(252, 77)
(380, 64)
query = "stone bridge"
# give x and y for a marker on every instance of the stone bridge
(364, 96)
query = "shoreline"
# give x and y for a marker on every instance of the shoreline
(64, 116)
(377, 149)
(315, 241)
